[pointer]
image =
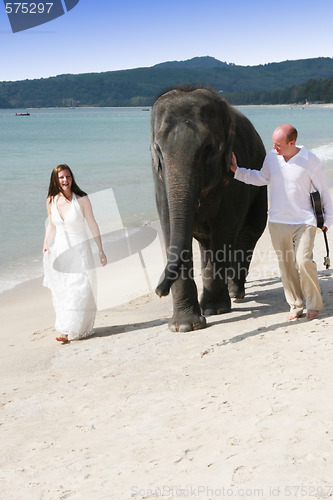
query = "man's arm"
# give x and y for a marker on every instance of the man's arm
(249, 176)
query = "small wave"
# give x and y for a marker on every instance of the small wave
(19, 271)
(8, 284)
(324, 152)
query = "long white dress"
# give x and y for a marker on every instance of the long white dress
(70, 274)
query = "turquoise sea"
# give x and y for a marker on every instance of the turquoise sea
(106, 148)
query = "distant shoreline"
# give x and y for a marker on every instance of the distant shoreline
(310, 105)
(148, 108)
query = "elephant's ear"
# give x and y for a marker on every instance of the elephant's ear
(229, 125)
(223, 130)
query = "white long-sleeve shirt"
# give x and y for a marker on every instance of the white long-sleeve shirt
(290, 185)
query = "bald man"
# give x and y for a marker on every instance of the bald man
(291, 172)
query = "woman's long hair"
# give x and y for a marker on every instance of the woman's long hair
(55, 188)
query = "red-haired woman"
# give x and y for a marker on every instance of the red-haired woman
(69, 269)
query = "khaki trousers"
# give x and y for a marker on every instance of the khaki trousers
(293, 245)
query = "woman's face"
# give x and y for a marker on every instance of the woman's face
(65, 180)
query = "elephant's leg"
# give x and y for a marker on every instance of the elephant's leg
(251, 231)
(186, 310)
(239, 265)
(215, 297)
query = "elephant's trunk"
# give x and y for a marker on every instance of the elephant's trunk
(182, 196)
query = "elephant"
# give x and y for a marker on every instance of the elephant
(194, 131)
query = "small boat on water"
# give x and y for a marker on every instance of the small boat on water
(22, 114)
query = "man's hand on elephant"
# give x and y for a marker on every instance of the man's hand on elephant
(233, 165)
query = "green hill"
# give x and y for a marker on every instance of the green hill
(320, 91)
(140, 86)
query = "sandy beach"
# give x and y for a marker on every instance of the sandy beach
(242, 408)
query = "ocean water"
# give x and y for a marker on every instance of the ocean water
(106, 148)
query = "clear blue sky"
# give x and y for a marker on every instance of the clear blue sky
(104, 35)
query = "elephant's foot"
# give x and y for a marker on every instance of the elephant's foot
(211, 304)
(185, 322)
(236, 290)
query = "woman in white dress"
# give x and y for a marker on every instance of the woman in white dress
(69, 269)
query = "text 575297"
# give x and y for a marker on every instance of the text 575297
(28, 8)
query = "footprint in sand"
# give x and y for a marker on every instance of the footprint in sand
(241, 475)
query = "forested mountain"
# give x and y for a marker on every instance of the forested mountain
(139, 87)
(312, 91)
